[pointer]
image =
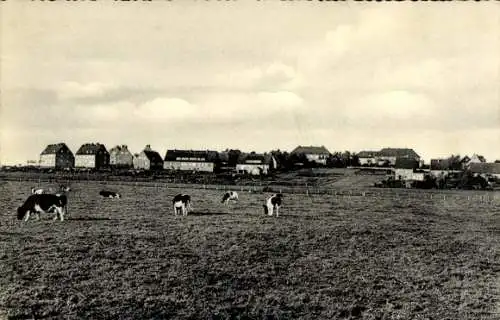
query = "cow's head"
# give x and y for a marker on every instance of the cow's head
(21, 211)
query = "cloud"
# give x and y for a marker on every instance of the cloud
(75, 90)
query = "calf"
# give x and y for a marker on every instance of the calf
(273, 204)
(109, 194)
(43, 203)
(182, 203)
(230, 195)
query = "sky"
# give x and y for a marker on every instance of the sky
(251, 75)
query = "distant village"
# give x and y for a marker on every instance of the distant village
(404, 164)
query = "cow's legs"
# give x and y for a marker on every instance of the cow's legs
(277, 211)
(270, 210)
(175, 210)
(37, 215)
(60, 212)
(27, 216)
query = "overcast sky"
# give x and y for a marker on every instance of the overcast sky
(253, 75)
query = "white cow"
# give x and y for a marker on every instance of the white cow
(182, 202)
(273, 204)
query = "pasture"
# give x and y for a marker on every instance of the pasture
(325, 257)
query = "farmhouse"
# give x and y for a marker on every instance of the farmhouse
(92, 155)
(391, 154)
(474, 159)
(148, 160)
(367, 158)
(314, 154)
(255, 164)
(120, 157)
(191, 160)
(57, 156)
(486, 169)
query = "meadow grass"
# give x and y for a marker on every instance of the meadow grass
(325, 257)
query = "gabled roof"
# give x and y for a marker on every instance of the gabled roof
(54, 148)
(91, 148)
(479, 157)
(153, 156)
(367, 154)
(310, 150)
(398, 152)
(192, 155)
(485, 167)
(122, 148)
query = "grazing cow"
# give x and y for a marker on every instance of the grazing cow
(43, 203)
(230, 195)
(182, 202)
(37, 191)
(273, 204)
(64, 188)
(109, 194)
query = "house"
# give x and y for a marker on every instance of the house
(120, 157)
(255, 164)
(409, 174)
(367, 158)
(191, 160)
(57, 156)
(474, 159)
(92, 155)
(391, 154)
(440, 164)
(148, 159)
(486, 169)
(313, 154)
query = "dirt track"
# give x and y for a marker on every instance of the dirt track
(326, 257)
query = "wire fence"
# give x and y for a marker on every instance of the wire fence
(391, 193)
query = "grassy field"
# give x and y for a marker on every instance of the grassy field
(326, 257)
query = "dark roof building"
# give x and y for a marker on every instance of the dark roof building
(398, 153)
(92, 155)
(310, 150)
(57, 156)
(485, 168)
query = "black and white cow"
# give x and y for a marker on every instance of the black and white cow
(35, 190)
(63, 188)
(182, 203)
(273, 204)
(109, 194)
(43, 203)
(230, 195)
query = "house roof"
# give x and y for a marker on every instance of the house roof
(153, 156)
(252, 158)
(479, 157)
(91, 148)
(367, 154)
(398, 152)
(440, 164)
(122, 148)
(54, 148)
(192, 155)
(310, 150)
(485, 167)
(403, 163)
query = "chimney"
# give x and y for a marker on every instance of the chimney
(148, 147)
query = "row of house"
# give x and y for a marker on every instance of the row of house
(96, 156)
